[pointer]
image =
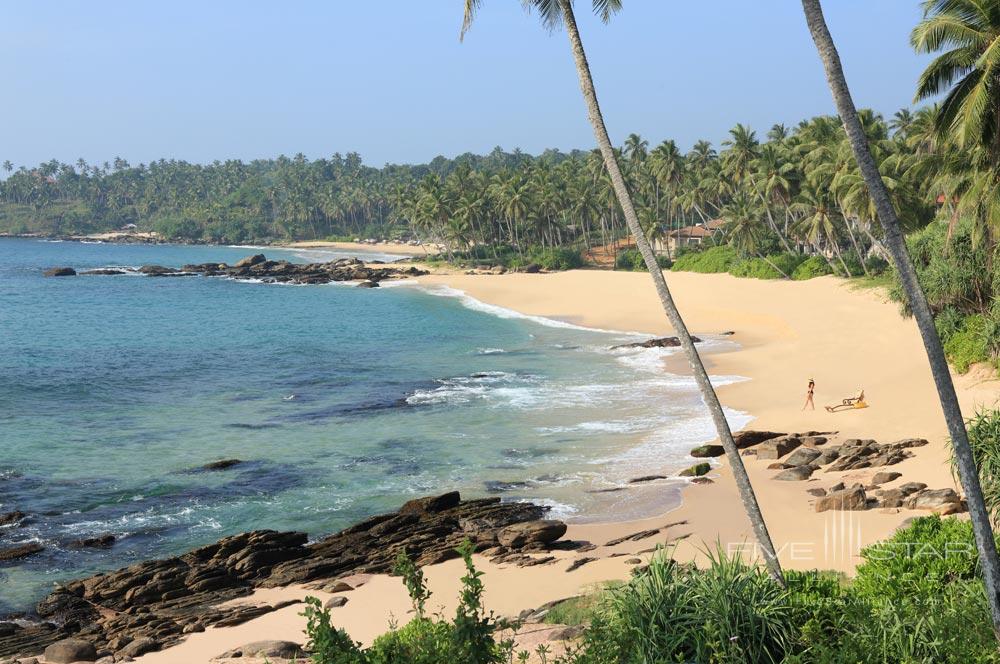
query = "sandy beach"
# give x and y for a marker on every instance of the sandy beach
(377, 247)
(788, 332)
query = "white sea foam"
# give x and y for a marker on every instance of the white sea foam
(503, 312)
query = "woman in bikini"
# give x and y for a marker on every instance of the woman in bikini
(809, 395)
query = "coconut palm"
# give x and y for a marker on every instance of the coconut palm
(896, 244)
(970, 30)
(554, 12)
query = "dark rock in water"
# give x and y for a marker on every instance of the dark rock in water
(646, 478)
(100, 542)
(12, 518)
(157, 270)
(259, 268)
(105, 271)
(696, 470)
(152, 605)
(8, 628)
(59, 272)
(70, 650)
(251, 260)
(20, 551)
(222, 464)
(498, 486)
(661, 342)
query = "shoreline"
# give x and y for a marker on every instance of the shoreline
(787, 332)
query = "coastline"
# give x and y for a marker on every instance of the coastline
(787, 332)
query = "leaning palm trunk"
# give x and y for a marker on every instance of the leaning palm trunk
(918, 304)
(632, 220)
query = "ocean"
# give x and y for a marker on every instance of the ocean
(341, 403)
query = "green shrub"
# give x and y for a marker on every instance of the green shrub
(968, 344)
(853, 266)
(469, 638)
(556, 258)
(713, 259)
(758, 268)
(729, 612)
(984, 438)
(917, 561)
(631, 260)
(814, 266)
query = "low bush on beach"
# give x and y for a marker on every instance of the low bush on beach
(711, 260)
(814, 266)
(758, 268)
(631, 260)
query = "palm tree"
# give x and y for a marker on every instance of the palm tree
(970, 111)
(896, 243)
(553, 12)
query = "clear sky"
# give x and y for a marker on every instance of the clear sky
(388, 78)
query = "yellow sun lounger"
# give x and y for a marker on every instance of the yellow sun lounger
(851, 403)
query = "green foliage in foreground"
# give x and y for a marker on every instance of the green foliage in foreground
(713, 259)
(917, 598)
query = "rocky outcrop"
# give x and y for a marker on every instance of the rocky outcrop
(59, 272)
(20, 551)
(151, 605)
(660, 342)
(258, 267)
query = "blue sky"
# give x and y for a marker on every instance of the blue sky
(244, 79)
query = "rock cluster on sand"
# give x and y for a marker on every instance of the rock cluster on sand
(799, 455)
(258, 267)
(150, 605)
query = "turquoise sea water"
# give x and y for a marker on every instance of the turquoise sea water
(342, 402)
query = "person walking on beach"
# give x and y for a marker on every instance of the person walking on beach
(809, 395)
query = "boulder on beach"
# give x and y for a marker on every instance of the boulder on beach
(795, 474)
(267, 649)
(542, 531)
(776, 448)
(707, 451)
(744, 439)
(853, 498)
(70, 650)
(59, 272)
